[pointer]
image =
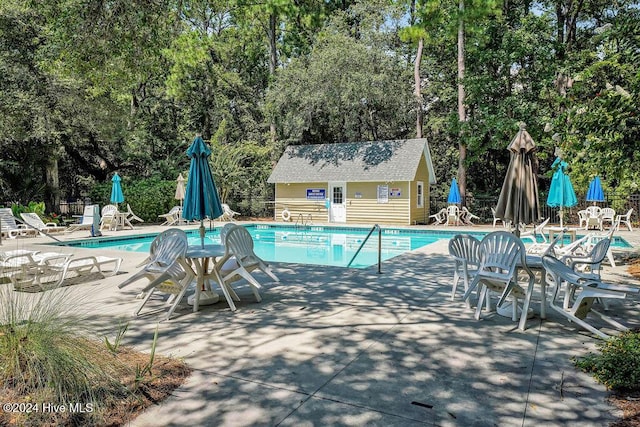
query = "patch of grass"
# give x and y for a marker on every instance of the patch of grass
(45, 357)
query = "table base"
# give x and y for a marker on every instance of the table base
(206, 298)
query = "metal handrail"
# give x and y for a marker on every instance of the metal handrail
(379, 247)
(300, 219)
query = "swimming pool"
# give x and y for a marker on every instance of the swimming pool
(319, 245)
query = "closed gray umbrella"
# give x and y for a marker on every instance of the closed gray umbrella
(518, 201)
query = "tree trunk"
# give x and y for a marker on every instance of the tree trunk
(417, 91)
(462, 116)
(52, 188)
(273, 64)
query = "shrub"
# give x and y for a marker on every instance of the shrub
(618, 364)
(45, 357)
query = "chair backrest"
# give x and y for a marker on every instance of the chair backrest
(593, 211)
(224, 231)
(167, 234)
(32, 219)
(109, 210)
(172, 244)
(239, 242)
(599, 252)
(500, 253)
(582, 214)
(87, 215)
(7, 218)
(608, 213)
(464, 247)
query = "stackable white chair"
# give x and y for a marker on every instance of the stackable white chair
(439, 217)
(624, 219)
(239, 246)
(167, 270)
(465, 250)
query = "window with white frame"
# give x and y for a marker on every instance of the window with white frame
(420, 194)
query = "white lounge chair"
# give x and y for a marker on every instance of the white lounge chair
(624, 219)
(167, 270)
(467, 217)
(228, 214)
(171, 217)
(35, 222)
(10, 228)
(439, 217)
(580, 295)
(86, 222)
(239, 247)
(538, 230)
(52, 272)
(130, 216)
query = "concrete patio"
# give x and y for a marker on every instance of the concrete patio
(330, 346)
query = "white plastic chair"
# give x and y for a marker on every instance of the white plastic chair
(594, 217)
(130, 216)
(496, 219)
(228, 214)
(467, 217)
(583, 219)
(537, 231)
(109, 217)
(453, 215)
(239, 245)
(624, 219)
(167, 270)
(502, 254)
(608, 215)
(171, 217)
(439, 217)
(465, 250)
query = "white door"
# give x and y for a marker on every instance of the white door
(338, 205)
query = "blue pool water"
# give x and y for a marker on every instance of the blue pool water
(320, 245)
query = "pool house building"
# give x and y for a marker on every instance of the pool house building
(383, 182)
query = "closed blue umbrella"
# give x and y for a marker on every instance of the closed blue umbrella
(595, 193)
(201, 199)
(116, 190)
(454, 192)
(561, 192)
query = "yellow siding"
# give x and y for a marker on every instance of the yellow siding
(366, 209)
(361, 201)
(294, 198)
(420, 215)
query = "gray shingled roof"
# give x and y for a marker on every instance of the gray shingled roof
(396, 160)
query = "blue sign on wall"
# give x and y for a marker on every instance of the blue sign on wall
(316, 194)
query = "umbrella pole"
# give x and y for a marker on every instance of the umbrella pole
(202, 233)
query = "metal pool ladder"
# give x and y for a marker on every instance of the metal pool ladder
(300, 220)
(379, 247)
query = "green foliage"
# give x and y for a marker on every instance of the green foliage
(617, 366)
(122, 329)
(145, 369)
(44, 354)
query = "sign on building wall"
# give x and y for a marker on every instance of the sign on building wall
(383, 194)
(395, 192)
(316, 194)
